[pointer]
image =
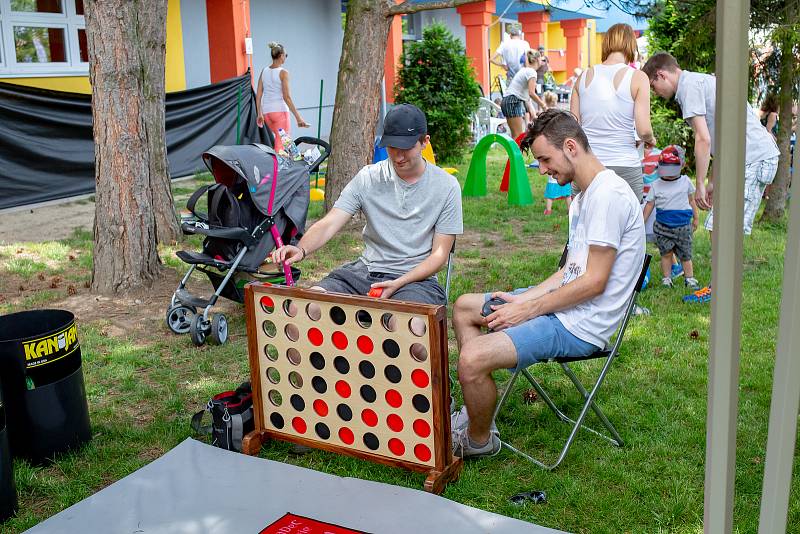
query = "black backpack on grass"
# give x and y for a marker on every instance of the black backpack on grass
(231, 418)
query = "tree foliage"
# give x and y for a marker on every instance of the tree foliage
(436, 76)
(687, 30)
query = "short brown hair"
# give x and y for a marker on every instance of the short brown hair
(619, 38)
(556, 125)
(660, 61)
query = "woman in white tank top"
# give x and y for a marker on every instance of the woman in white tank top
(612, 103)
(273, 101)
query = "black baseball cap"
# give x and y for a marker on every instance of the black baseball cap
(403, 126)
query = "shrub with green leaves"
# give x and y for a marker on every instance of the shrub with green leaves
(436, 76)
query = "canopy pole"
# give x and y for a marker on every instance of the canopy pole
(723, 368)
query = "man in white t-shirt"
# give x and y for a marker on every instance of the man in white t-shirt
(572, 313)
(511, 50)
(696, 94)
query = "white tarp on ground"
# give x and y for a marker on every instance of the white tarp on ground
(196, 488)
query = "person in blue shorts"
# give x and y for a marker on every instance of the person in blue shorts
(575, 311)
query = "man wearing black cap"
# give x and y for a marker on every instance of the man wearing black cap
(413, 213)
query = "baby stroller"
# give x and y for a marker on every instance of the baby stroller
(258, 202)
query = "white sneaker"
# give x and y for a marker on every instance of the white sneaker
(460, 420)
(464, 449)
(666, 281)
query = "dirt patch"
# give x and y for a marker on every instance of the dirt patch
(135, 312)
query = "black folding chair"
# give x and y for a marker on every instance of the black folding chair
(588, 396)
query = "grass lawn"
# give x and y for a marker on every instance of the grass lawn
(143, 383)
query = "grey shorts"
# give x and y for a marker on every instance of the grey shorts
(678, 239)
(512, 106)
(632, 175)
(354, 279)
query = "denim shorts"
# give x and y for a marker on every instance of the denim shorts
(544, 338)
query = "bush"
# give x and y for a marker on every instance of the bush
(436, 76)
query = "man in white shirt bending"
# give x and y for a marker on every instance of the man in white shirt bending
(511, 51)
(572, 313)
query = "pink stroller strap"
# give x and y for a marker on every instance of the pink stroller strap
(287, 271)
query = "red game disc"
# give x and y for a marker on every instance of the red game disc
(339, 340)
(346, 435)
(420, 378)
(422, 453)
(266, 303)
(375, 292)
(343, 389)
(393, 398)
(365, 344)
(320, 407)
(422, 428)
(397, 447)
(369, 417)
(299, 425)
(394, 422)
(315, 336)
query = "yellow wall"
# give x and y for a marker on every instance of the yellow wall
(175, 78)
(555, 37)
(494, 41)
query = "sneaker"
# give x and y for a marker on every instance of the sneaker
(548, 212)
(677, 270)
(691, 283)
(666, 282)
(700, 296)
(460, 420)
(464, 448)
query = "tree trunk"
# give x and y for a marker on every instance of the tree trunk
(789, 73)
(358, 93)
(126, 41)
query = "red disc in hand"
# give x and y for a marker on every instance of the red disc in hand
(375, 292)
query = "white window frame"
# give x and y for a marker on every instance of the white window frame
(69, 21)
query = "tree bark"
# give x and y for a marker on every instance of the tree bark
(358, 88)
(789, 73)
(126, 40)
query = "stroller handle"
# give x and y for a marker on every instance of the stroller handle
(319, 142)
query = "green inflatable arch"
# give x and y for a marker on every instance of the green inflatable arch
(519, 190)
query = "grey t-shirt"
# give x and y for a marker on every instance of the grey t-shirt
(697, 93)
(402, 218)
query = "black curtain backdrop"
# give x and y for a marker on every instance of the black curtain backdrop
(47, 149)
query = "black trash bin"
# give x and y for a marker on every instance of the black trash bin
(42, 382)
(8, 491)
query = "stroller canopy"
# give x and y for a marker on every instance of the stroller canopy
(256, 165)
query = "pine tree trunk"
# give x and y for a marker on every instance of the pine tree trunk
(779, 190)
(126, 41)
(358, 93)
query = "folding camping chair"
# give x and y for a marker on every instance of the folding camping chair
(588, 396)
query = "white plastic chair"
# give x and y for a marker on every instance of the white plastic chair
(487, 120)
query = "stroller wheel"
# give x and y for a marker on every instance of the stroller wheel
(197, 330)
(179, 318)
(219, 329)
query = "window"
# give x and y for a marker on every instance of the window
(43, 38)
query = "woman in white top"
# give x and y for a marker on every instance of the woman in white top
(519, 93)
(612, 103)
(273, 100)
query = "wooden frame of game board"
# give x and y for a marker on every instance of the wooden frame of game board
(447, 467)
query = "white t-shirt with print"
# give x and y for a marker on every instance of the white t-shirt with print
(607, 214)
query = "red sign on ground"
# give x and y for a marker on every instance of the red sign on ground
(295, 524)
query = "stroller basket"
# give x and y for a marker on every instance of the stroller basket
(258, 202)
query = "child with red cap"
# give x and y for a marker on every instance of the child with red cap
(672, 196)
